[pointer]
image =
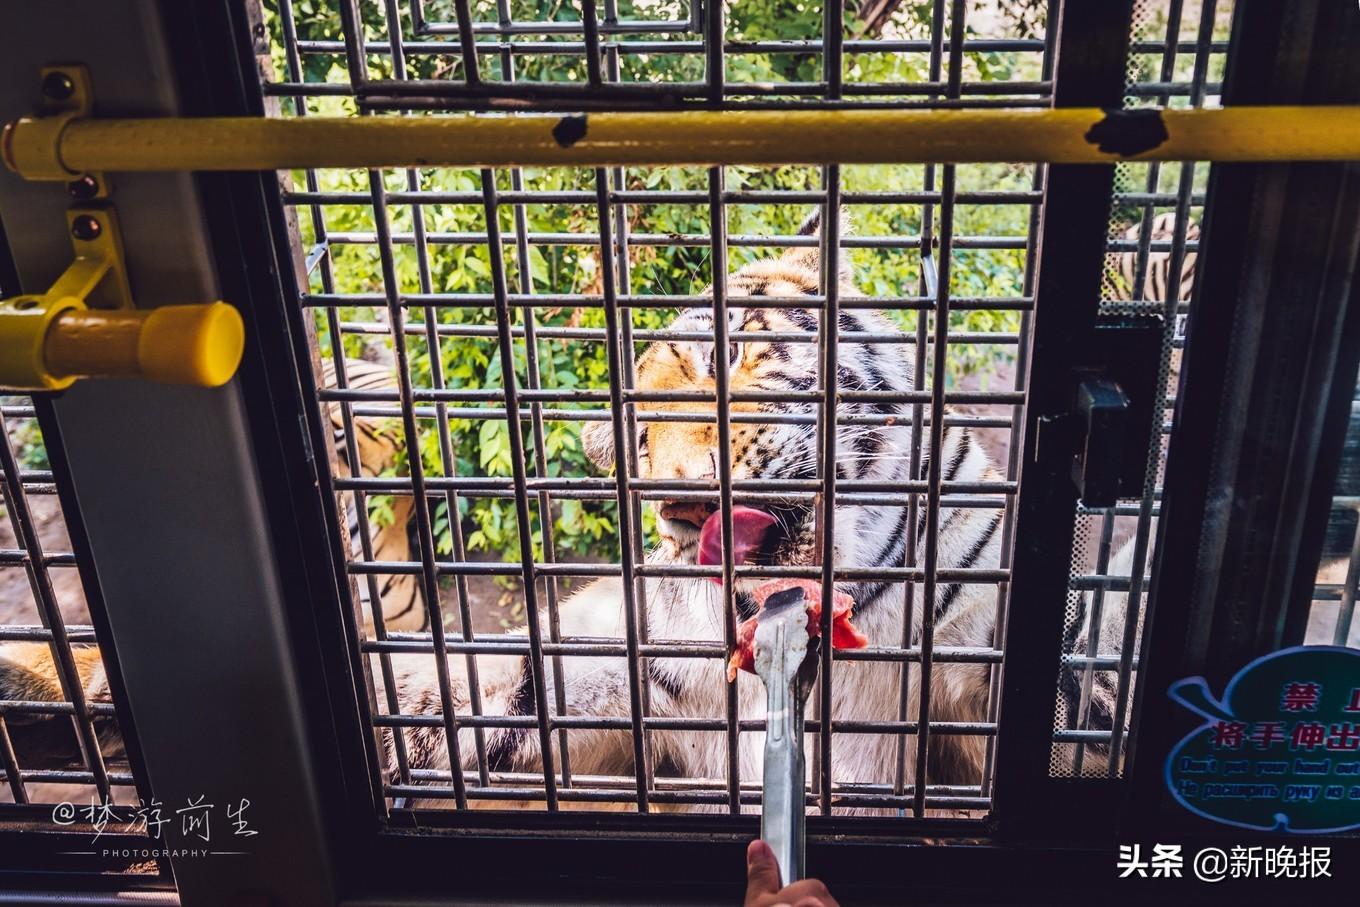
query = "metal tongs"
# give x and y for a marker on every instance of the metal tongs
(786, 660)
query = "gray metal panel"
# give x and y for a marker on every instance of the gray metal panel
(171, 499)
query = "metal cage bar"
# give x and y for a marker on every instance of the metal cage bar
(722, 335)
(1171, 271)
(324, 264)
(828, 435)
(1170, 51)
(1345, 613)
(624, 468)
(1156, 449)
(72, 687)
(492, 63)
(628, 377)
(828, 339)
(1017, 443)
(510, 383)
(429, 589)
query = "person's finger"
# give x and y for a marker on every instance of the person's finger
(762, 871)
(808, 893)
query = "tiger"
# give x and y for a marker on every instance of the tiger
(378, 446)
(1157, 279)
(691, 608)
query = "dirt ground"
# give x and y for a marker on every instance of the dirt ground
(495, 607)
(996, 441)
(17, 605)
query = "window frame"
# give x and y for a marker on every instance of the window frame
(1028, 844)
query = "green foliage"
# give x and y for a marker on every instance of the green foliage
(480, 446)
(25, 436)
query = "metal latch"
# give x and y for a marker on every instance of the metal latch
(1115, 409)
(1103, 410)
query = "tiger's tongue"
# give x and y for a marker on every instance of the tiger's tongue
(749, 526)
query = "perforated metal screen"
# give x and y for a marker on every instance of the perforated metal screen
(1150, 268)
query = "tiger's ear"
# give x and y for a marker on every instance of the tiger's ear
(597, 440)
(810, 257)
(813, 224)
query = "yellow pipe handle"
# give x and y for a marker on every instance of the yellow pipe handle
(38, 149)
(191, 344)
(198, 345)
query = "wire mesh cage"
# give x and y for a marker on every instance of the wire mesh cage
(534, 423)
(1150, 268)
(44, 609)
(442, 55)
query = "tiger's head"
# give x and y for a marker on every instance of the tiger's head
(786, 446)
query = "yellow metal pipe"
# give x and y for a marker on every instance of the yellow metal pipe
(84, 342)
(38, 148)
(47, 342)
(198, 345)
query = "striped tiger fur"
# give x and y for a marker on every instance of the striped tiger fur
(690, 609)
(1158, 281)
(378, 443)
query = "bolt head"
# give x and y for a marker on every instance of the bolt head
(58, 86)
(83, 188)
(86, 228)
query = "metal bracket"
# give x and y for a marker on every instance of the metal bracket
(34, 143)
(97, 276)
(86, 325)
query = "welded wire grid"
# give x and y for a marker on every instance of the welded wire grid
(380, 247)
(1150, 264)
(475, 53)
(42, 601)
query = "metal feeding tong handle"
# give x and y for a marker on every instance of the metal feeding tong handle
(786, 660)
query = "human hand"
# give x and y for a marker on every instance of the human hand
(762, 883)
